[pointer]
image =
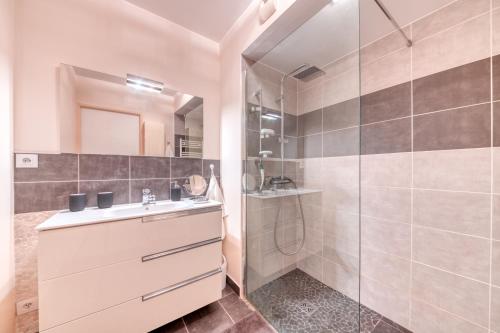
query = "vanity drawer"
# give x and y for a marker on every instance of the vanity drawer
(138, 316)
(77, 295)
(71, 250)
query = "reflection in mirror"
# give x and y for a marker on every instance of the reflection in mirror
(107, 114)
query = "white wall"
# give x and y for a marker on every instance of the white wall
(6, 230)
(114, 37)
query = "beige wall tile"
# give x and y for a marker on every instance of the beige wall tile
(429, 319)
(311, 264)
(496, 217)
(393, 204)
(457, 46)
(495, 262)
(496, 31)
(496, 3)
(341, 224)
(341, 88)
(347, 63)
(386, 169)
(388, 237)
(460, 296)
(462, 212)
(343, 170)
(384, 268)
(457, 12)
(387, 301)
(495, 309)
(342, 198)
(386, 72)
(458, 170)
(496, 170)
(335, 247)
(343, 277)
(314, 241)
(465, 255)
(310, 99)
(312, 173)
(384, 46)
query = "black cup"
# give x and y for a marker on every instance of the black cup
(104, 199)
(77, 202)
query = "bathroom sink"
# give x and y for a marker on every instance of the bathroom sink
(65, 218)
(139, 209)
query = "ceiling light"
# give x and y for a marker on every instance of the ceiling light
(141, 83)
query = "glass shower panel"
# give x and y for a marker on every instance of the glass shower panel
(301, 177)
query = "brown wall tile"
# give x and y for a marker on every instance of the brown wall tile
(341, 115)
(185, 167)
(206, 167)
(468, 127)
(496, 124)
(310, 146)
(310, 123)
(104, 167)
(341, 142)
(496, 78)
(36, 197)
(51, 167)
(159, 187)
(386, 104)
(386, 137)
(149, 167)
(120, 189)
(456, 87)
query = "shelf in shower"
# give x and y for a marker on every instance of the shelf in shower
(268, 194)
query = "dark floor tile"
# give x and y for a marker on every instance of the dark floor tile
(159, 187)
(104, 167)
(386, 104)
(391, 136)
(343, 142)
(235, 307)
(177, 326)
(149, 167)
(251, 324)
(341, 115)
(185, 167)
(120, 189)
(51, 167)
(460, 86)
(209, 319)
(37, 197)
(310, 122)
(384, 327)
(227, 291)
(468, 127)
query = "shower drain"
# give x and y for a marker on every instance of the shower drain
(307, 308)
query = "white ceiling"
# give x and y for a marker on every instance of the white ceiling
(334, 31)
(209, 18)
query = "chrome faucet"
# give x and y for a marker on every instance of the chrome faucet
(148, 198)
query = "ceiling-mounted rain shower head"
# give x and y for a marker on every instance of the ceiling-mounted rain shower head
(308, 74)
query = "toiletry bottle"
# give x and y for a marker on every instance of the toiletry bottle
(175, 191)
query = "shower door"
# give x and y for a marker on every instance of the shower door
(301, 177)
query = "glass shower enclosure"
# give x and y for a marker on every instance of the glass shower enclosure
(301, 177)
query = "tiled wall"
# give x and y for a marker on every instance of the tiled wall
(430, 165)
(58, 175)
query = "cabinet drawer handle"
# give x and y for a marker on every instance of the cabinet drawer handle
(180, 249)
(166, 290)
(174, 215)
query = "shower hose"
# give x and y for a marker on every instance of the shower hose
(301, 243)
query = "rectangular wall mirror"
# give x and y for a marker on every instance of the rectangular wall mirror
(106, 114)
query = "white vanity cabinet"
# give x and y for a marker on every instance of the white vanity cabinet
(129, 275)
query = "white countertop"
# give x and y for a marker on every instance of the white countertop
(268, 194)
(67, 219)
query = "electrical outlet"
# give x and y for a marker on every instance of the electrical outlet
(27, 161)
(27, 305)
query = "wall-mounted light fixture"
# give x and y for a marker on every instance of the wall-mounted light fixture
(266, 9)
(141, 83)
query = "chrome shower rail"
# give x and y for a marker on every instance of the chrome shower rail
(386, 12)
